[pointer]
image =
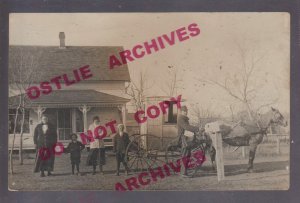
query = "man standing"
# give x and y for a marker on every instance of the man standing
(182, 126)
(45, 138)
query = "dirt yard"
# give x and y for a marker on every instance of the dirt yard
(271, 172)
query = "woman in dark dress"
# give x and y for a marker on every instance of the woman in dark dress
(45, 138)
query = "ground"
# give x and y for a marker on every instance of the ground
(271, 172)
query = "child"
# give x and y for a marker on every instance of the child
(74, 148)
(121, 141)
(97, 149)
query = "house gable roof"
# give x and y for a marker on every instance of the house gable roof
(47, 62)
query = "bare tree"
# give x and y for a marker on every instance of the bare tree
(173, 82)
(203, 115)
(242, 85)
(22, 71)
(231, 107)
(14, 137)
(137, 90)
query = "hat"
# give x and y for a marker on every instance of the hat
(184, 108)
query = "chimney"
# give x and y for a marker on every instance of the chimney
(62, 40)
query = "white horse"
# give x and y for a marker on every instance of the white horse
(250, 133)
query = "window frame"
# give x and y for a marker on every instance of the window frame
(65, 138)
(26, 122)
(167, 116)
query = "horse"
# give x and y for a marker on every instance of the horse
(251, 133)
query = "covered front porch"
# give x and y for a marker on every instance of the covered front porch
(70, 111)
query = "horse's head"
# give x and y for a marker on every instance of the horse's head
(277, 118)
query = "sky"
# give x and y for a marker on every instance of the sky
(215, 54)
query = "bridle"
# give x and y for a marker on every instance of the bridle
(277, 117)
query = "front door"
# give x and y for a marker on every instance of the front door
(52, 117)
(64, 124)
(62, 120)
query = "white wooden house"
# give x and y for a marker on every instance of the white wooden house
(72, 108)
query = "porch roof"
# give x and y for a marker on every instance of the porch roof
(72, 98)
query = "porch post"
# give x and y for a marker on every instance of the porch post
(124, 112)
(84, 109)
(39, 110)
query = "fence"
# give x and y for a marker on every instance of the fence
(273, 139)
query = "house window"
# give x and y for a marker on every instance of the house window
(79, 121)
(171, 116)
(64, 123)
(11, 121)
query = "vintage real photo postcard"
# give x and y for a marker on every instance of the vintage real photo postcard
(195, 101)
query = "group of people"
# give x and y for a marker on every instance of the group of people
(45, 137)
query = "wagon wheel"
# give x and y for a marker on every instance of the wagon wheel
(173, 151)
(194, 149)
(204, 145)
(143, 153)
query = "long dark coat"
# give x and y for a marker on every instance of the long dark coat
(183, 125)
(120, 146)
(121, 143)
(44, 140)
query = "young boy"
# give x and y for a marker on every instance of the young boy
(121, 141)
(74, 148)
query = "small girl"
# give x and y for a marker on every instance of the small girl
(74, 148)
